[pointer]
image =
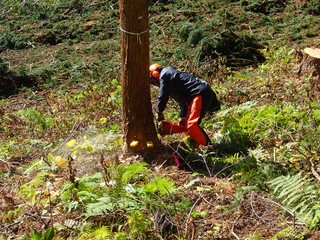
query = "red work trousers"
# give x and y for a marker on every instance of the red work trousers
(193, 120)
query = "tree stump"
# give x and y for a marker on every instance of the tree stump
(310, 65)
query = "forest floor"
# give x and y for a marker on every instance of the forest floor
(60, 91)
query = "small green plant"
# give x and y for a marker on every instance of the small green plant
(301, 195)
(312, 7)
(47, 235)
(186, 29)
(3, 67)
(100, 233)
(195, 37)
(34, 118)
(289, 232)
(12, 41)
(265, 7)
(139, 224)
(136, 194)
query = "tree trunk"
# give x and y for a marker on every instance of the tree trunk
(140, 134)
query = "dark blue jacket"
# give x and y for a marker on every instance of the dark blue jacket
(181, 86)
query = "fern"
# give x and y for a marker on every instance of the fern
(102, 206)
(138, 224)
(290, 232)
(100, 233)
(89, 189)
(301, 195)
(47, 235)
(186, 29)
(160, 185)
(115, 197)
(135, 171)
(35, 118)
(132, 192)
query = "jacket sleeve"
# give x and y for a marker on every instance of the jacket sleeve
(163, 94)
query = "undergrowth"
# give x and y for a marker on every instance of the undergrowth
(62, 170)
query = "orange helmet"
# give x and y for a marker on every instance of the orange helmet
(155, 70)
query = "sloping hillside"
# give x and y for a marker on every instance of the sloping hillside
(62, 170)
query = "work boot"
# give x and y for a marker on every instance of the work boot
(192, 143)
(210, 148)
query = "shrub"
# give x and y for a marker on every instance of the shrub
(312, 7)
(239, 51)
(12, 41)
(265, 7)
(3, 67)
(195, 36)
(186, 29)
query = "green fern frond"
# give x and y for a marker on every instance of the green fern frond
(90, 182)
(86, 196)
(290, 232)
(102, 206)
(135, 171)
(160, 185)
(301, 195)
(284, 182)
(138, 224)
(293, 190)
(316, 216)
(100, 233)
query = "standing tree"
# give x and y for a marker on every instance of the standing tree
(140, 135)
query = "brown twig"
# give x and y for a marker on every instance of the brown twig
(189, 214)
(253, 210)
(314, 172)
(106, 176)
(232, 231)
(279, 205)
(72, 175)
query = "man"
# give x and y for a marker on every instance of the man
(194, 96)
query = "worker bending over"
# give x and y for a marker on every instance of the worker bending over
(194, 96)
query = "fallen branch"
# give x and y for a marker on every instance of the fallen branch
(313, 170)
(253, 210)
(6, 164)
(8, 227)
(279, 205)
(189, 214)
(232, 231)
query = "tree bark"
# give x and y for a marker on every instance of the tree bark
(310, 65)
(140, 134)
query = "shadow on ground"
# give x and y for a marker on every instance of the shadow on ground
(218, 160)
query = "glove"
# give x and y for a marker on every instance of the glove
(160, 117)
(164, 128)
(183, 122)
